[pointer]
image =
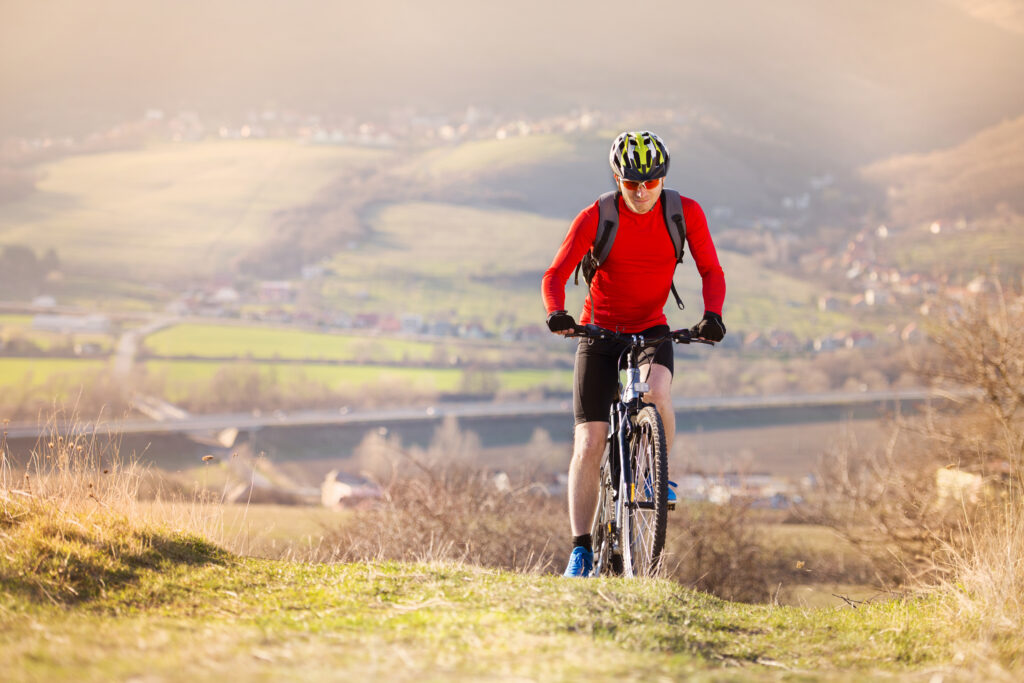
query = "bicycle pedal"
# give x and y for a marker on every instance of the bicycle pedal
(671, 505)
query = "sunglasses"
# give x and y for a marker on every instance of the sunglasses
(633, 185)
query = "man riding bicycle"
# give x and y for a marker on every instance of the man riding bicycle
(628, 292)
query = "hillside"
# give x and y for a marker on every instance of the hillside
(958, 209)
(171, 607)
(174, 212)
(969, 180)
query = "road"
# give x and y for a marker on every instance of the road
(249, 421)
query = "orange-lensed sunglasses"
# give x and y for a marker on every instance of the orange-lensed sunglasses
(632, 185)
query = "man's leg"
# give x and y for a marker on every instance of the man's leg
(659, 378)
(585, 475)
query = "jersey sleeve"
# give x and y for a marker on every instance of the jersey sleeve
(576, 243)
(698, 237)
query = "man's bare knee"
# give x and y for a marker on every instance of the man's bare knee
(589, 440)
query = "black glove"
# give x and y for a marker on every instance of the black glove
(711, 327)
(559, 321)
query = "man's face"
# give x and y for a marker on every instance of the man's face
(640, 197)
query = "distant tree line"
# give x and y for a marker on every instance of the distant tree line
(22, 273)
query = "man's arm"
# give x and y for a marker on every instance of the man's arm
(705, 256)
(576, 243)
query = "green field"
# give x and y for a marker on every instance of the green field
(758, 298)
(170, 210)
(225, 341)
(998, 243)
(489, 156)
(35, 372)
(191, 211)
(180, 379)
(442, 259)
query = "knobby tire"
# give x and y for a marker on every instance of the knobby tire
(644, 525)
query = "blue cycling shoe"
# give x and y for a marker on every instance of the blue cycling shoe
(671, 499)
(581, 562)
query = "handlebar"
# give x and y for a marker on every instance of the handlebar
(591, 331)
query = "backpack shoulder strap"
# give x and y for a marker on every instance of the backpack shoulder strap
(672, 205)
(607, 225)
(675, 221)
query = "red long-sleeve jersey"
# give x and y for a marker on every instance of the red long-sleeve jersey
(628, 292)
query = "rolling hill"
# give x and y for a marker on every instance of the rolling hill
(959, 208)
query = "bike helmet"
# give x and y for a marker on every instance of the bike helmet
(639, 156)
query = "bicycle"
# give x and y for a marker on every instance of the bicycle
(629, 527)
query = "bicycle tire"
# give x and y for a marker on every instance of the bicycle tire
(645, 519)
(603, 532)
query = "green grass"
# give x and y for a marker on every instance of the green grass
(34, 372)
(759, 298)
(488, 156)
(200, 615)
(210, 340)
(91, 592)
(183, 377)
(13, 320)
(998, 243)
(170, 210)
(440, 259)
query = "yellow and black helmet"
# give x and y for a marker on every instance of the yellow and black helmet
(639, 155)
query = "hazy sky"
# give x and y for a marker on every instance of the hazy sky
(886, 74)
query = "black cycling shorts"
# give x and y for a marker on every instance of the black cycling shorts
(596, 373)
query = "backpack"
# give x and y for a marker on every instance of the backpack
(608, 225)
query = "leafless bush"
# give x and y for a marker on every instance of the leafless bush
(925, 504)
(717, 550)
(440, 504)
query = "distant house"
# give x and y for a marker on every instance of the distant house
(226, 296)
(365, 321)
(72, 324)
(44, 301)
(827, 303)
(411, 323)
(344, 491)
(276, 292)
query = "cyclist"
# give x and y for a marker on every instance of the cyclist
(628, 293)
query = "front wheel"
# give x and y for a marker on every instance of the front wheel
(604, 532)
(645, 512)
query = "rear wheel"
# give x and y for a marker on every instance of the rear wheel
(645, 511)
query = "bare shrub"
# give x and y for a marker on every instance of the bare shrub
(717, 551)
(440, 505)
(942, 503)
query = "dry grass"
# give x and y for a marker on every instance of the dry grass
(70, 529)
(440, 504)
(941, 506)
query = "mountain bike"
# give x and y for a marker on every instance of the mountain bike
(632, 510)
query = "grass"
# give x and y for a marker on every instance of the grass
(240, 341)
(439, 259)
(36, 372)
(180, 378)
(201, 615)
(170, 210)
(490, 156)
(759, 299)
(94, 587)
(972, 250)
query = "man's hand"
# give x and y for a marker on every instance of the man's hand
(560, 322)
(711, 327)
